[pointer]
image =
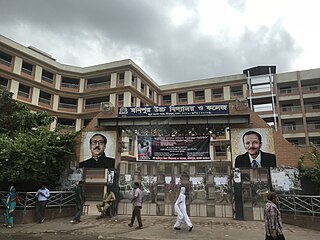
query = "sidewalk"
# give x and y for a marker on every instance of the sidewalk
(156, 227)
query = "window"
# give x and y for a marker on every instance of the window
(199, 95)
(45, 98)
(142, 88)
(287, 108)
(217, 93)
(285, 90)
(289, 126)
(120, 100)
(150, 93)
(27, 68)
(68, 82)
(182, 97)
(24, 91)
(47, 76)
(133, 101)
(236, 91)
(5, 59)
(67, 124)
(104, 81)
(3, 82)
(133, 80)
(68, 103)
(121, 78)
(94, 103)
(166, 99)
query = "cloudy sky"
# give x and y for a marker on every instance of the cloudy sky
(171, 40)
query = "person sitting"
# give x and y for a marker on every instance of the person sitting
(108, 199)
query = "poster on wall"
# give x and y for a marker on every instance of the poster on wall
(98, 149)
(285, 180)
(253, 147)
(186, 148)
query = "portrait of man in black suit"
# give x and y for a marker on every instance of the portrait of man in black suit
(98, 143)
(254, 157)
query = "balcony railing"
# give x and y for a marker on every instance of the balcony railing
(289, 91)
(291, 109)
(46, 79)
(312, 107)
(5, 62)
(23, 94)
(45, 101)
(67, 105)
(27, 71)
(312, 88)
(93, 106)
(217, 95)
(237, 94)
(57, 199)
(300, 204)
(292, 128)
(70, 85)
(313, 127)
(96, 85)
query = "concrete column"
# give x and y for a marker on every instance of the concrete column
(113, 99)
(126, 99)
(226, 93)
(80, 105)
(207, 95)
(58, 81)
(138, 84)
(245, 90)
(35, 96)
(127, 78)
(78, 124)
(55, 103)
(14, 88)
(155, 97)
(81, 85)
(190, 97)
(17, 65)
(173, 99)
(38, 73)
(113, 83)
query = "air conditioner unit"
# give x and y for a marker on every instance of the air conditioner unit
(106, 107)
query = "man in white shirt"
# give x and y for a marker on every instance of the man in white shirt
(42, 194)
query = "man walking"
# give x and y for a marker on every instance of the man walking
(137, 205)
(42, 194)
(80, 199)
(272, 218)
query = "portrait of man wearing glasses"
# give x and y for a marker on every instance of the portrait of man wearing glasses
(98, 143)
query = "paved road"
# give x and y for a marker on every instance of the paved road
(155, 228)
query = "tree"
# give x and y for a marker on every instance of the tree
(310, 177)
(30, 154)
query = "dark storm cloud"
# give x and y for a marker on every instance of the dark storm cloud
(142, 30)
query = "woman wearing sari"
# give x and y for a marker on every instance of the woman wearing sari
(10, 203)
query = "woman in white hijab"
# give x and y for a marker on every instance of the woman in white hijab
(181, 211)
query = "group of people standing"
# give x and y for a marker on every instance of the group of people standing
(12, 199)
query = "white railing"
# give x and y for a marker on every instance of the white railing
(67, 105)
(300, 204)
(57, 199)
(45, 101)
(70, 85)
(46, 79)
(95, 85)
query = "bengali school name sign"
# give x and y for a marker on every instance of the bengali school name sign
(175, 110)
(173, 149)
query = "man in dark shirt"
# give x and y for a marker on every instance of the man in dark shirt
(254, 157)
(98, 144)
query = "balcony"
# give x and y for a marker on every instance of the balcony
(312, 107)
(290, 109)
(68, 106)
(93, 106)
(98, 85)
(288, 91)
(311, 89)
(47, 80)
(292, 128)
(45, 101)
(313, 127)
(70, 85)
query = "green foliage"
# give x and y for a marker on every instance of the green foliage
(29, 152)
(312, 173)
